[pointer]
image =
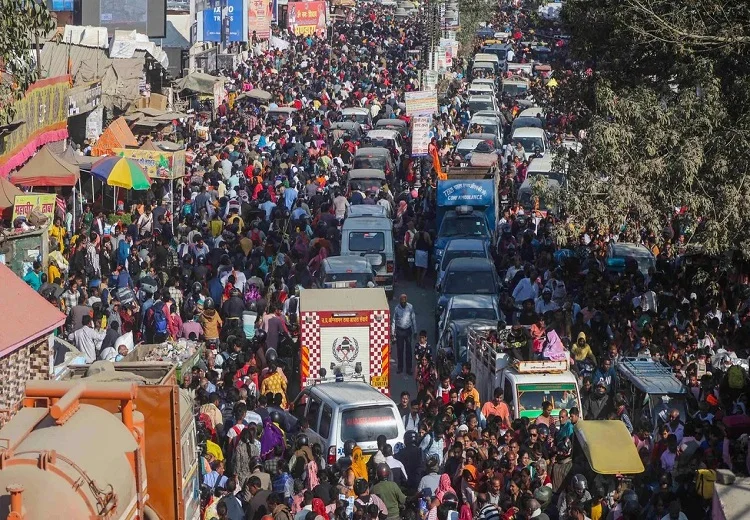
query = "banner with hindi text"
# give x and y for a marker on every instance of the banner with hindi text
(259, 16)
(45, 203)
(158, 164)
(308, 18)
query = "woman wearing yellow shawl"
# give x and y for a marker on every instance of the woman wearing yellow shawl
(358, 463)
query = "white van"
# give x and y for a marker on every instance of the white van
(481, 57)
(531, 138)
(372, 238)
(342, 411)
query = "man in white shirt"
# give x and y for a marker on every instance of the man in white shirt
(526, 289)
(545, 303)
(87, 339)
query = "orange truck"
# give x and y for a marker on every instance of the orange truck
(112, 445)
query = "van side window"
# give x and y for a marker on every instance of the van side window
(325, 422)
(313, 411)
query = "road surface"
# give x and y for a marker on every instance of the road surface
(424, 300)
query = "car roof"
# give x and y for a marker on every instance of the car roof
(469, 143)
(285, 110)
(350, 392)
(355, 110)
(383, 132)
(466, 244)
(650, 377)
(532, 112)
(366, 210)
(346, 124)
(470, 264)
(371, 150)
(353, 300)
(362, 223)
(485, 119)
(339, 263)
(630, 249)
(471, 301)
(394, 122)
(366, 173)
(481, 97)
(526, 379)
(528, 131)
(484, 136)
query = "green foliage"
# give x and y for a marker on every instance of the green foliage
(20, 21)
(125, 218)
(667, 118)
(471, 14)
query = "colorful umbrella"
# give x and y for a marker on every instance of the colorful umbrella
(121, 172)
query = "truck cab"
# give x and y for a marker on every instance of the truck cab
(526, 384)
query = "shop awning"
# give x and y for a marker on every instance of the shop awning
(117, 135)
(198, 82)
(8, 194)
(18, 303)
(46, 168)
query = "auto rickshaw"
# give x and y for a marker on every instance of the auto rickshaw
(610, 453)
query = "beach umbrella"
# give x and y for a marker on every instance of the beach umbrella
(122, 173)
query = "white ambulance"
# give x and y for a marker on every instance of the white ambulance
(345, 336)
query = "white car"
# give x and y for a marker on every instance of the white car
(469, 307)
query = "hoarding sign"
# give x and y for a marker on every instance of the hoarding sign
(307, 18)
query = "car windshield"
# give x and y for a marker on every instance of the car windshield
(359, 118)
(524, 122)
(366, 241)
(488, 129)
(515, 89)
(365, 184)
(466, 226)
(366, 424)
(529, 143)
(472, 314)
(378, 142)
(470, 282)
(377, 163)
(348, 280)
(531, 397)
(450, 255)
(478, 105)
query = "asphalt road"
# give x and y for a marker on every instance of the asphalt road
(424, 300)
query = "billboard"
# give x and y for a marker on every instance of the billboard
(211, 21)
(259, 16)
(306, 18)
(148, 17)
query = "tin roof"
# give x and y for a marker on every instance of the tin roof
(342, 300)
(18, 304)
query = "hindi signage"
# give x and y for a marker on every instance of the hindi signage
(307, 18)
(158, 164)
(259, 18)
(45, 203)
(420, 132)
(421, 103)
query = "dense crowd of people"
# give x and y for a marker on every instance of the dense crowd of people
(260, 210)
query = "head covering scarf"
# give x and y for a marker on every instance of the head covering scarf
(358, 463)
(319, 508)
(272, 437)
(444, 486)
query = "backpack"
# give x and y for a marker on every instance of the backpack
(158, 318)
(88, 266)
(736, 377)
(704, 483)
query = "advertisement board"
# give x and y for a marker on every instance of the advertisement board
(306, 18)
(158, 164)
(209, 25)
(259, 16)
(236, 20)
(60, 5)
(420, 132)
(421, 103)
(23, 205)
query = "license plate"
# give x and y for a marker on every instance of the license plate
(382, 278)
(379, 381)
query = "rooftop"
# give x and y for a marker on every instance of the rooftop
(26, 314)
